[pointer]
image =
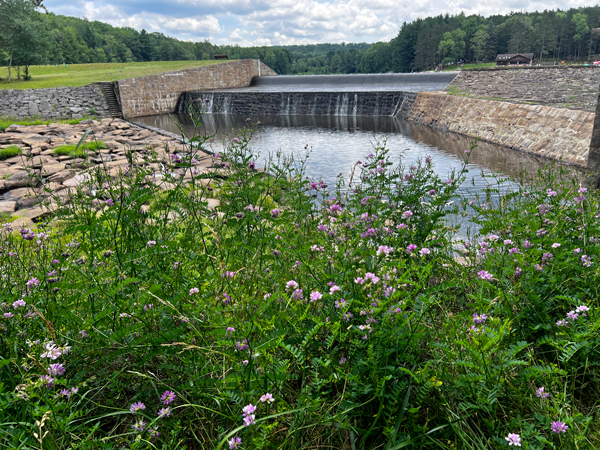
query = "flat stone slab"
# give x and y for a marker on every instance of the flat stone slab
(7, 206)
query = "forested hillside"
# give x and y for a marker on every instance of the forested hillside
(419, 45)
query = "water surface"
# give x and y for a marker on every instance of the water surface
(336, 143)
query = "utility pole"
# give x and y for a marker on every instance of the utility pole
(258, 61)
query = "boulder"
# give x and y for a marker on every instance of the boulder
(7, 206)
(21, 179)
(77, 180)
(17, 194)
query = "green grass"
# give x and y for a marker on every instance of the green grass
(469, 66)
(83, 74)
(9, 152)
(5, 122)
(81, 152)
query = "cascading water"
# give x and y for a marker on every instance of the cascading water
(387, 103)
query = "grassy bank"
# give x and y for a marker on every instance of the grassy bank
(299, 315)
(83, 74)
(5, 122)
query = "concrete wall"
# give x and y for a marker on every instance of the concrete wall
(561, 87)
(55, 103)
(296, 103)
(555, 133)
(159, 94)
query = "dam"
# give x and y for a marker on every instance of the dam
(316, 95)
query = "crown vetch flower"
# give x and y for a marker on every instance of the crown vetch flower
(267, 398)
(513, 439)
(234, 442)
(167, 397)
(559, 427)
(137, 406)
(56, 370)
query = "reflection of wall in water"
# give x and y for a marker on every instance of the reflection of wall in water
(496, 158)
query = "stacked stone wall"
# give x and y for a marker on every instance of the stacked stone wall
(54, 103)
(560, 87)
(555, 133)
(159, 94)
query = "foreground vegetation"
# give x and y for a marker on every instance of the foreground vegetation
(301, 315)
(49, 76)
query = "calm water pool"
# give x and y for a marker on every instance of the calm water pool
(335, 144)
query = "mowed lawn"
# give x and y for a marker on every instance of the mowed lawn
(82, 74)
(469, 66)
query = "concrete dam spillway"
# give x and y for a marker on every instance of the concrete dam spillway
(338, 95)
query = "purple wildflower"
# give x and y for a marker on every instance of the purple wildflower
(411, 248)
(586, 261)
(229, 330)
(47, 380)
(275, 213)
(424, 251)
(194, 290)
(297, 294)
(483, 275)
(110, 202)
(33, 282)
(139, 426)
(55, 370)
(314, 296)
(513, 439)
(479, 318)
(384, 250)
(291, 285)
(559, 427)
(335, 209)
(137, 406)
(164, 412)
(541, 393)
(19, 304)
(267, 398)
(235, 442)
(167, 397)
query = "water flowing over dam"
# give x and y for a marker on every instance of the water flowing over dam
(338, 95)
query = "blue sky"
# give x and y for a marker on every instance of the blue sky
(285, 22)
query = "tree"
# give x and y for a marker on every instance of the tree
(22, 35)
(491, 46)
(580, 25)
(478, 43)
(446, 46)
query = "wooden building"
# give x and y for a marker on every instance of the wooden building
(510, 59)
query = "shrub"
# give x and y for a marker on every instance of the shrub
(299, 315)
(10, 152)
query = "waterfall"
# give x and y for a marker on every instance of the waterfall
(351, 104)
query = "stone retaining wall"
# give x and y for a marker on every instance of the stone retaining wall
(296, 103)
(54, 103)
(545, 131)
(159, 94)
(561, 87)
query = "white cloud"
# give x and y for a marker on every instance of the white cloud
(281, 22)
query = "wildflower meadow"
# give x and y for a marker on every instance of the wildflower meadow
(297, 315)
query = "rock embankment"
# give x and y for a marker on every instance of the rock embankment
(26, 178)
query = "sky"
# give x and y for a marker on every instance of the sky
(285, 22)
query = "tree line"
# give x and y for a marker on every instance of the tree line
(29, 35)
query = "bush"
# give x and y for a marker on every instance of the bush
(81, 152)
(9, 152)
(298, 315)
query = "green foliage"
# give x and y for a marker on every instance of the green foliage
(5, 122)
(81, 152)
(345, 303)
(10, 152)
